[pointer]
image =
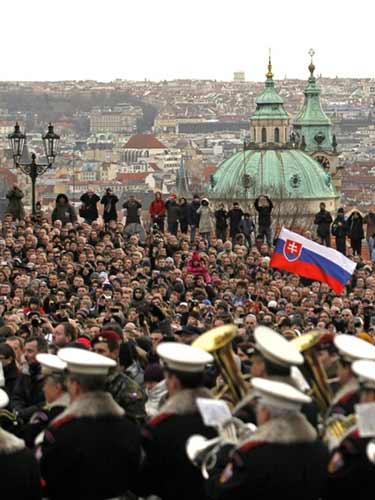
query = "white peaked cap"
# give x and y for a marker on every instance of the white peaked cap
(279, 394)
(51, 362)
(365, 370)
(85, 362)
(4, 399)
(276, 348)
(352, 348)
(183, 358)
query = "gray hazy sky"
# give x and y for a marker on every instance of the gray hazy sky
(157, 39)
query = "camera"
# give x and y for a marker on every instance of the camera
(35, 322)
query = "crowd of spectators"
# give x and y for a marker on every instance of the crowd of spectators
(93, 283)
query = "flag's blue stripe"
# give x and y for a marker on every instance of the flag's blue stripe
(328, 266)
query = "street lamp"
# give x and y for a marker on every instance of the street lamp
(34, 170)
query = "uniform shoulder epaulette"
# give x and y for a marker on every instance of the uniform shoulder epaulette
(161, 417)
(347, 396)
(249, 445)
(58, 422)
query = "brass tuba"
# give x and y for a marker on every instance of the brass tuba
(203, 452)
(313, 371)
(218, 342)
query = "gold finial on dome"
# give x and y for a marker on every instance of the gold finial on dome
(311, 65)
(269, 73)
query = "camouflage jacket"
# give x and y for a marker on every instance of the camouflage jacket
(128, 394)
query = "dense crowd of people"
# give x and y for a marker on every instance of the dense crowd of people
(121, 289)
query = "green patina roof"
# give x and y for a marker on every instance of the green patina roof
(311, 121)
(283, 174)
(270, 105)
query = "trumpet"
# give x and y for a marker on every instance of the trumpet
(313, 371)
(218, 342)
(203, 452)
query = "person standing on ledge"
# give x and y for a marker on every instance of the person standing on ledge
(323, 220)
(263, 205)
(15, 205)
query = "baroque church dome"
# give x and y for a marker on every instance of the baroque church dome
(279, 173)
(275, 162)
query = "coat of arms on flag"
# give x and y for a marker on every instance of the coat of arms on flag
(299, 255)
(292, 250)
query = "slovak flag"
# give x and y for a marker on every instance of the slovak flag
(304, 257)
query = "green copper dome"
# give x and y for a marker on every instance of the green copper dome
(311, 122)
(279, 173)
(270, 105)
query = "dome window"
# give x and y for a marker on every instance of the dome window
(277, 135)
(264, 135)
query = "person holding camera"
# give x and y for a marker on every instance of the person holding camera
(109, 200)
(264, 206)
(89, 208)
(15, 205)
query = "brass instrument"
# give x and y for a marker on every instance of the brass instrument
(313, 371)
(370, 451)
(203, 452)
(337, 428)
(218, 342)
(8, 417)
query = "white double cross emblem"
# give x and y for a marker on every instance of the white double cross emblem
(292, 248)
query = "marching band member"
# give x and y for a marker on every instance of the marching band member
(276, 359)
(55, 393)
(350, 471)
(91, 450)
(350, 349)
(19, 469)
(282, 459)
(167, 471)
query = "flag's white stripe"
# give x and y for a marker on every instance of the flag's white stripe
(329, 253)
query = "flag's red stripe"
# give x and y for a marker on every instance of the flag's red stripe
(306, 270)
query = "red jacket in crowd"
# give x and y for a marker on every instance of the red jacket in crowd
(157, 208)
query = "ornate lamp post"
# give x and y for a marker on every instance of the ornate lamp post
(33, 169)
(246, 182)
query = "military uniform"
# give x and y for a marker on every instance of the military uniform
(350, 349)
(20, 479)
(350, 473)
(350, 470)
(345, 399)
(282, 459)
(128, 394)
(90, 451)
(167, 471)
(42, 418)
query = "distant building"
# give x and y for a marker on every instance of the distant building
(239, 76)
(142, 146)
(122, 119)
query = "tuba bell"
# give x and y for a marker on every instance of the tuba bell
(203, 452)
(313, 371)
(218, 343)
